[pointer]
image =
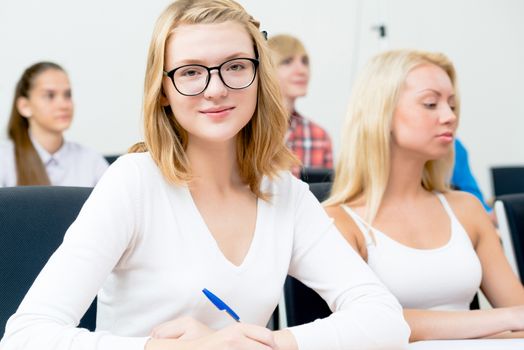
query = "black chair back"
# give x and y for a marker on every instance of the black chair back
(303, 304)
(514, 210)
(111, 158)
(33, 221)
(507, 180)
(321, 190)
(314, 175)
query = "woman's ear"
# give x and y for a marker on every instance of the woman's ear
(164, 101)
(23, 107)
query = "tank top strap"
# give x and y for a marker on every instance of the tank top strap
(361, 224)
(445, 204)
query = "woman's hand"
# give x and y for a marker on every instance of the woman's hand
(184, 328)
(239, 336)
(188, 333)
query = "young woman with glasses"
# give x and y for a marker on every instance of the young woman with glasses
(37, 153)
(433, 247)
(205, 202)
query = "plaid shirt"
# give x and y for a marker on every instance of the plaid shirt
(309, 142)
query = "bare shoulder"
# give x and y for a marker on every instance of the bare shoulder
(334, 211)
(469, 212)
(342, 220)
(463, 200)
(348, 228)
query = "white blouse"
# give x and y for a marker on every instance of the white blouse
(71, 165)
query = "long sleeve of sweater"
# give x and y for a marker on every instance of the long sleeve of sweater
(51, 310)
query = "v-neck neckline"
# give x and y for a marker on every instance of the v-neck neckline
(204, 228)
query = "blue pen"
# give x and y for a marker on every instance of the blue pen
(220, 304)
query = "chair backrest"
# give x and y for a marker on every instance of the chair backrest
(302, 303)
(314, 175)
(321, 190)
(510, 216)
(33, 221)
(507, 180)
(111, 157)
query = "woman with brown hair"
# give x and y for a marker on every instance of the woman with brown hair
(37, 153)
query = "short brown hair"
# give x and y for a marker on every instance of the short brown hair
(284, 46)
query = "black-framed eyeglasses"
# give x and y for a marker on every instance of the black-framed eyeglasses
(193, 79)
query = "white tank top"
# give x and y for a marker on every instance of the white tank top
(444, 278)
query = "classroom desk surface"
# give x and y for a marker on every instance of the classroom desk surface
(474, 344)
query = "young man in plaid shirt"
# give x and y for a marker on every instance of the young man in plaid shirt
(310, 143)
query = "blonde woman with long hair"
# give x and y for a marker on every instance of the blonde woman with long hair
(432, 247)
(205, 202)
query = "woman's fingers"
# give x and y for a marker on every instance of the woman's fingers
(259, 334)
(170, 329)
(239, 336)
(185, 328)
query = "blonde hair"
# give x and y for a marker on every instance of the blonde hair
(362, 170)
(260, 144)
(284, 46)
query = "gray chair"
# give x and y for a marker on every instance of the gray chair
(33, 221)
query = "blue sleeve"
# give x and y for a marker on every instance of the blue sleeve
(462, 177)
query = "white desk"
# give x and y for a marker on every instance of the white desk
(475, 344)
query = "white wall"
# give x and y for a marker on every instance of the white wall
(103, 46)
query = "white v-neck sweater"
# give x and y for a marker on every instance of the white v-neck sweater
(141, 244)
